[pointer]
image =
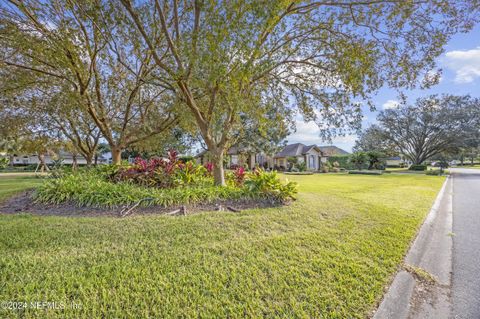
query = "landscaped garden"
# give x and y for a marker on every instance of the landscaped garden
(328, 254)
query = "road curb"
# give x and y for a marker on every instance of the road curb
(431, 250)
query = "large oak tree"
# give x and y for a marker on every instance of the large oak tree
(82, 50)
(224, 59)
(433, 125)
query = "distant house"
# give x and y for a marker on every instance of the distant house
(239, 156)
(331, 150)
(66, 157)
(311, 155)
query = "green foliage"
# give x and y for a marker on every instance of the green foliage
(298, 173)
(358, 159)
(375, 160)
(302, 166)
(417, 167)
(434, 172)
(342, 160)
(88, 189)
(361, 172)
(4, 162)
(93, 188)
(185, 159)
(268, 185)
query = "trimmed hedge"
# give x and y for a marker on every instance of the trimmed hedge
(366, 172)
(418, 167)
(343, 161)
(298, 173)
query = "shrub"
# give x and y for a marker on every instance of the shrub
(239, 176)
(298, 173)
(358, 159)
(366, 172)
(435, 172)
(209, 167)
(4, 162)
(302, 166)
(186, 159)
(191, 174)
(161, 173)
(268, 185)
(234, 166)
(417, 167)
(88, 189)
(342, 160)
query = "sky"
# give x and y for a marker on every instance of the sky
(460, 64)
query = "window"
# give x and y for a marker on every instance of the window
(311, 162)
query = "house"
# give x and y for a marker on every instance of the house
(32, 159)
(331, 150)
(239, 156)
(311, 155)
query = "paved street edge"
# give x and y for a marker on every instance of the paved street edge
(397, 301)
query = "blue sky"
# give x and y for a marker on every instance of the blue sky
(460, 64)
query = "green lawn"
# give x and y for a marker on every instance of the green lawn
(11, 183)
(328, 255)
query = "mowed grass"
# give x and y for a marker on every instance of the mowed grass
(11, 183)
(328, 255)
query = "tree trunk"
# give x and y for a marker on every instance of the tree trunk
(42, 164)
(74, 162)
(116, 155)
(88, 159)
(95, 160)
(218, 173)
(12, 158)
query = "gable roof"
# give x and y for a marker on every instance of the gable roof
(291, 150)
(332, 150)
(296, 149)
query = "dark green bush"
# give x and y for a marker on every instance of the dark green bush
(298, 173)
(267, 185)
(417, 167)
(435, 172)
(342, 160)
(88, 189)
(366, 172)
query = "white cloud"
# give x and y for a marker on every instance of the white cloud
(390, 104)
(466, 64)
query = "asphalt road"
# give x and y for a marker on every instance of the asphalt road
(466, 244)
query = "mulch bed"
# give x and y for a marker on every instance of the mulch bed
(24, 203)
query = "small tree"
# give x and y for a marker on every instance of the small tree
(4, 162)
(375, 159)
(358, 159)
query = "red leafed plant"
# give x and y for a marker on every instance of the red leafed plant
(239, 175)
(209, 167)
(156, 172)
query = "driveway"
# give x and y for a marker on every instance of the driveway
(466, 243)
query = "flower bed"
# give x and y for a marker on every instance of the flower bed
(160, 182)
